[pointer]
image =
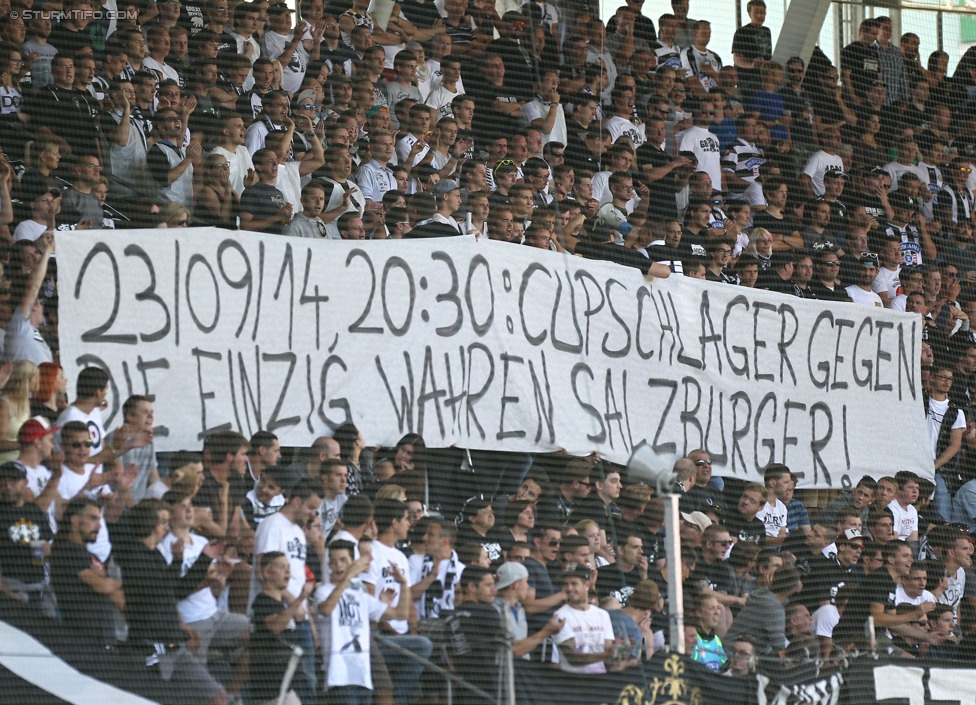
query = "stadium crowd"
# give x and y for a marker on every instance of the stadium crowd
(541, 125)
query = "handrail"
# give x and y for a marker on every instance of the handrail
(451, 677)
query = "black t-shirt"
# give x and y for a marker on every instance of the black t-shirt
(863, 62)
(752, 42)
(662, 203)
(420, 14)
(643, 29)
(208, 496)
(611, 581)
(476, 645)
(489, 122)
(81, 607)
(777, 226)
(491, 543)
(269, 652)
(19, 526)
(520, 68)
(745, 529)
(614, 253)
(876, 588)
(826, 577)
(707, 499)
(263, 201)
(719, 575)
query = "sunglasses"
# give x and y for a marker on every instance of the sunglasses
(80, 444)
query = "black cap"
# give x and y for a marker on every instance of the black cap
(278, 8)
(13, 470)
(576, 570)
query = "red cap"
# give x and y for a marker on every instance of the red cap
(32, 430)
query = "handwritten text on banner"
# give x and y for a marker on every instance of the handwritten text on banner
(486, 345)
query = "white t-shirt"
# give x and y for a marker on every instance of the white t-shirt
(278, 533)
(707, 150)
(589, 630)
(536, 110)
(380, 576)
(954, 592)
(329, 511)
(619, 127)
(824, 620)
(901, 597)
(69, 486)
(292, 75)
(201, 604)
(937, 410)
(96, 429)
(906, 520)
(887, 282)
(240, 162)
(773, 515)
(817, 165)
(862, 297)
(344, 636)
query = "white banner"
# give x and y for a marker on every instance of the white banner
(485, 345)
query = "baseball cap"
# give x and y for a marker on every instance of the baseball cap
(279, 8)
(698, 519)
(509, 573)
(13, 470)
(834, 174)
(33, 429)
(306, 96)
(445, 186)
(850, 536)
(576, 570)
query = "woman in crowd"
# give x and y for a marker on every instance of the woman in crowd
(51, 396)
(15, 406)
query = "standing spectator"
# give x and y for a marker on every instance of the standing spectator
(860, 63)
(701, 63)
(387, 569)
(283, 532)
(199, 610)
(335, 480)
(946, 424)
(282, 43)
(89, 599)
(436, 573)
(344, 610)
(512, 586)
(27, 533)
(152, 590)
(891, 64)
(752, 45)
(764, 616)
(273, 627)
(583, 644)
